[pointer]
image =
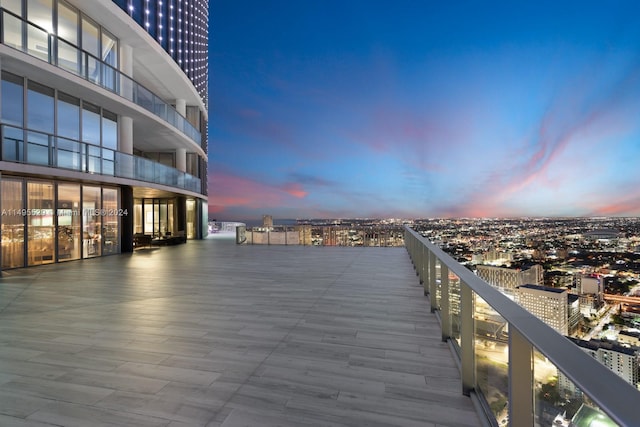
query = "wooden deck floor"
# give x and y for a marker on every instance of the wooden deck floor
(214, 334)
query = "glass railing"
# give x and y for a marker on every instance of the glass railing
(37, 148)
(38, 42)
(522, 372)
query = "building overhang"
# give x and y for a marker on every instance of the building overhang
(152, 66)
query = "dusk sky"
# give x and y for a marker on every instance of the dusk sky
(415, 109)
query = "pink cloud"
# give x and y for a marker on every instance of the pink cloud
(227, 190)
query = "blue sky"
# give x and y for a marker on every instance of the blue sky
(339, 109)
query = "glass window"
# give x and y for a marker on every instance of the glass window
(93, 159)
(40, 17)
(12, 144)
(68, 215)
(110, 221)
(40, 107)
(91, 219)
(191, 219)
(40, 13)
(38, 148)
(148, 217)
(90, 37)
(14, 6)
(68, 53)
(68, 154)
(109, 49)
(108, 162)
(109, 130)
(40, 243)
(69, 57)
(90, 123)
(12, 31)
(12, 99)
(68, 23)
(38, 43)
(68, 116)
(12, 225)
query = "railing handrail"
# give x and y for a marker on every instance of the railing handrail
(191, 131)
(614, 396)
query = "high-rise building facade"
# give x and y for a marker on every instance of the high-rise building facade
(621, 360)
(551, 305)
(508, 279)
(103, 124)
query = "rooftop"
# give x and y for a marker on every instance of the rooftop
(543, 288)
(215, 334)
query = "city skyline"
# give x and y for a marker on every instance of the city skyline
(409, 109)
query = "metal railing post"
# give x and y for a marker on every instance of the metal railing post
(467, 354)
(432, 282)
(520, 380)
(445, 309)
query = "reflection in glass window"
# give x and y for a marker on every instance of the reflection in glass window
(40, 223)
(68, 116)
(92, 222)
(68, 23)
(12, 99)
(40, 107)
(68, 154)
(90, 124)
(40, 12)
(109, 130)
(38, 148)
(110, 221)
(68, 214)
(14, 6)
(12, 144)
(12, 225)
(12, 31)
(109, 49)
(90, 37)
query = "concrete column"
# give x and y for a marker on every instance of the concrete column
(181, 107)
(126, 70)
(181, 159)
(125, 130)
(126, 59)
(126, 222)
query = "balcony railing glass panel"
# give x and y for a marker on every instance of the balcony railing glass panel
(558, 402)
(46, 150)
(492, 358)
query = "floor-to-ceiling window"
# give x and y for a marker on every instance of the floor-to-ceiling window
(191, 219)
(155, 217)
(111, 221)
(91, 222)
(40, 225)
(12, 223)
(69, 222)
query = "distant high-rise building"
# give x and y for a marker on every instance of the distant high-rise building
(621, 360)
(267, 221)
(508, 279)
(551, 305)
